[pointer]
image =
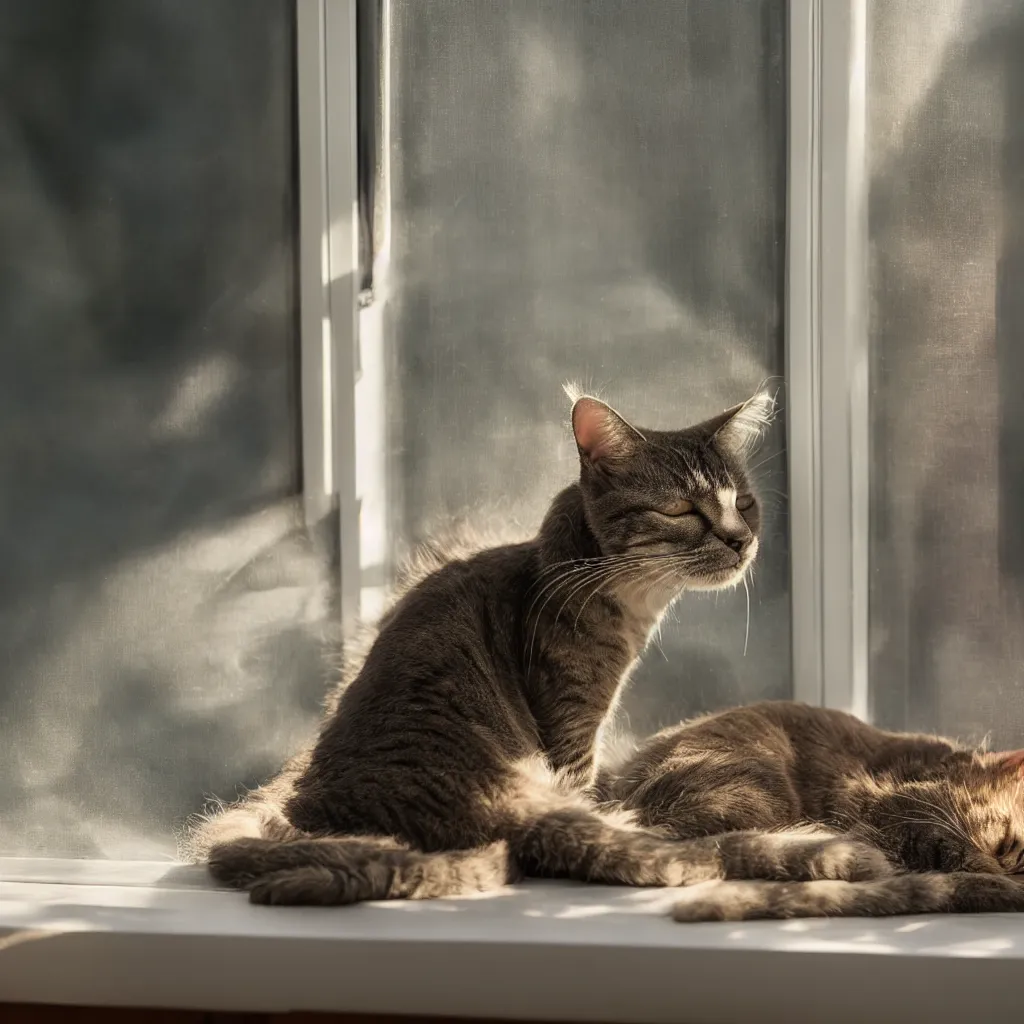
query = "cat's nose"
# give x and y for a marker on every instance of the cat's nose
(732, 531)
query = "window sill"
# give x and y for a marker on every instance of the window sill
(538, 951)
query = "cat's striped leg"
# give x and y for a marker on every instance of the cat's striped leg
(580, 843)
(931, 893)
(556, 833)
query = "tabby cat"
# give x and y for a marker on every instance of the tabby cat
(929, 804)
(462, 754)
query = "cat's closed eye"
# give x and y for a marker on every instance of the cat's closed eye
(1010, 851)
(682, 507)
(745, 502)
(1005, 844)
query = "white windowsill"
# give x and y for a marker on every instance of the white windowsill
(539, 951)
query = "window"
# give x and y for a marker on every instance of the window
(290, 283)
(596, 191)
(946, 215)
(163, 607)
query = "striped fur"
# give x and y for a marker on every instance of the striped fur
(461, 755)
(928, 804)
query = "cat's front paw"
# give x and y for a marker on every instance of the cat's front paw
(724, 901)
(800, 856)
(779, 901)
(846, 860)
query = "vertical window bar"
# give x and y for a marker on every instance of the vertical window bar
(343, 289)
(371, 406)
(370, 16)
(803, 346)
(314, 312)
(329, 274)
(844, 355)
(827, 345)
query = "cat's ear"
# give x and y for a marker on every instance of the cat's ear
(739, 430)
(1012, 760)
(603, 437)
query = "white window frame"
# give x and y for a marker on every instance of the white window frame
(329, 274)
(827, 352)
(142, 934)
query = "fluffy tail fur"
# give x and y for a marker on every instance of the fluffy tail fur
(931, 893)
(335, 871)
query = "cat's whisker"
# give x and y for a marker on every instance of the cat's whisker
(746, 634)
(575, 563)
(596, 560)
(610, 574)
(656, 641)
(661, 577)
(949, 826)
(567, 580)
(614, 562)
(943, 813)
(758, 465)
(956, 833)
(576, 579)
(592, 565)
(618, 574)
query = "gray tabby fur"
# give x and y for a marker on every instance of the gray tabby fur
(462, 754)
(953, 817)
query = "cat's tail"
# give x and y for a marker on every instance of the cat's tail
(340, 870)
(926, 893)
(256, 815)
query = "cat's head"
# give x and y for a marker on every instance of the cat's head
(994, 794)
(978, 797)
(678, 504)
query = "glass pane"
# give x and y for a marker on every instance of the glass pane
(160, 612)
(588, 190)
(946, 138)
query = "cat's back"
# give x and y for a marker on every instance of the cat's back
(812, 729)
(434, 717)
(795, 738)
(725, 771)
(475, 601)
(727, 738)
(445, 656)
(832, 742)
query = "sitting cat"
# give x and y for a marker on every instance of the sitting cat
(929, 804)
(461, 755)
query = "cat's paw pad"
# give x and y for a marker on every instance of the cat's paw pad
(848, 860)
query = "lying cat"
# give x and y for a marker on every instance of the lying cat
(462, 754)
(929, 804)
